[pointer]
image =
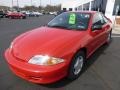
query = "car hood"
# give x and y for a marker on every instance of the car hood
(45, 41)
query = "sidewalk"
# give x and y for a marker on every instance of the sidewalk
(116, 29)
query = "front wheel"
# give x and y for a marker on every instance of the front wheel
(24, 17)
(21, 17)
(76, 66)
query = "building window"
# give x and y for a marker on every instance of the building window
(117, 2)
(64, 9)
(70, 9)
(99, 5)
(80, 7)
(75, 9)
(86, 6)
(103, 6)
(93, 5)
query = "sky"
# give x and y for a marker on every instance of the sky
(28, 2)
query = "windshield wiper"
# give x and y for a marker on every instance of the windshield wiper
(57, 26)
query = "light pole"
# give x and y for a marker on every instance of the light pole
(50, 2)
(12, 5)
(31, 5)
(51, 5)
(40, 3)
(31, 2)
(17, 5)
(40, 7)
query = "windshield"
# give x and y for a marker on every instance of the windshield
(71, 20)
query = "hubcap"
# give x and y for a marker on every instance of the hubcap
(78, 65)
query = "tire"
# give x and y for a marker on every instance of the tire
(76, 66)
(10, 17)
(2, 16)
(21, 17)
(109, 37)
(24, 17)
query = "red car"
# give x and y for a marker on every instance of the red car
(50, 53)
(19, 15)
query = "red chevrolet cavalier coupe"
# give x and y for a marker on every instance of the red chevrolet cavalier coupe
(50, 53)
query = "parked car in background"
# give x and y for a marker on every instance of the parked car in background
(24, 12)
(2, 14)
(27, 13)
(60, 49)
(47, 13)
(53, 13)
(18, 15)
(32, 13)
(37, 14)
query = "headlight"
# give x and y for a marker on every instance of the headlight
(45, 60)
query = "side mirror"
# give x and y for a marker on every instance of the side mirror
(96, 27)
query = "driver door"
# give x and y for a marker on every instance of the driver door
(98, 32)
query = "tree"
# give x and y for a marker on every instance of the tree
(50, 8)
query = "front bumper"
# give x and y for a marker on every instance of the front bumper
(36, 73)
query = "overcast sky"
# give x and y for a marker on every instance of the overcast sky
(28, 2)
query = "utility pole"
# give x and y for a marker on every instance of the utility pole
(50, 2)
(31, 5)
(12, 5)
(40, 3)
(51, 5)
(40, 7)
(31, 2)
(17, 5)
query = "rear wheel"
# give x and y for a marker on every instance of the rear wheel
(10, 17)
(23, 17)
(109, 38)
(76, 66)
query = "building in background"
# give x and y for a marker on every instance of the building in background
(109, 7)
(69, 5)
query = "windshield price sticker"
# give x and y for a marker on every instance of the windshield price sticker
(72, 18)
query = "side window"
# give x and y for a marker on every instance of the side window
(98, 19)
(105, 19)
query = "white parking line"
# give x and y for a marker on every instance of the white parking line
(115, 36)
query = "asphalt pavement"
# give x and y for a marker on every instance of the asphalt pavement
(102, 70)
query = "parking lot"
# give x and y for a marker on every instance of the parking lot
(102, 70)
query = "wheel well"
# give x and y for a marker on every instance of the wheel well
(84, 49)
(111, 30)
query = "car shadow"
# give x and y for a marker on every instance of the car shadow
(89, 62)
